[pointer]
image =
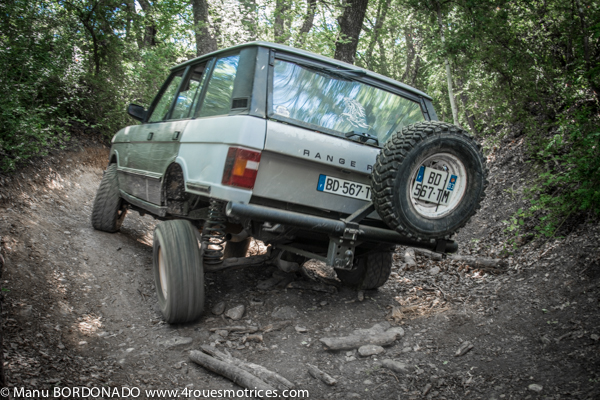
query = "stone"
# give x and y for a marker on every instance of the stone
(284, 313)
(595, 337)
(375, 329)
(236, 313)
(534, 387)
(434, 270)
(218, 308)
(26, 310)
(222, 332)
(178, 341)
(395, 366)
(397, 330)
(369, 350)
(301, 329)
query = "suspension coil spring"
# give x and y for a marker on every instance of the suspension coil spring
(213, 233)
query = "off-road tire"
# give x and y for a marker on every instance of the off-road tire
(178, 271)
(108, 211)
(236, 249)
(370, 271)
(391, 179)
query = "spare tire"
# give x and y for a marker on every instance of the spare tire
(428, 180)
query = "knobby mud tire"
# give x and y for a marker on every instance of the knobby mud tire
(391, 180)
(108, 211)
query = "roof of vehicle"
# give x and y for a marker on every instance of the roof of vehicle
(313, 56)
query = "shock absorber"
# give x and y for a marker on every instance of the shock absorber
(213, 233)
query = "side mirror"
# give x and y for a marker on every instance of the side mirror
(136, 112)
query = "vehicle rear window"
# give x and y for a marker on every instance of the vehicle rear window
(336, 103)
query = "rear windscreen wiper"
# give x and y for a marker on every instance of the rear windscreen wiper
(362, 137)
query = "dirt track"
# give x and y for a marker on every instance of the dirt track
(80, 307)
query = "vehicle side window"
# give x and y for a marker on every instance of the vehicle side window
(189, 93)
(163, 105)
(220, 87)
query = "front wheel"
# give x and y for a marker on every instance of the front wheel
(109, 210)
(178, 271)
(370, 271)
(428, 180)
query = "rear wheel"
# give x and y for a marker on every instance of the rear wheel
(370, 271)
(109, 210)
(178, 271)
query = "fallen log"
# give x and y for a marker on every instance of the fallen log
(355, 341)
(276, 326)
(318, 374)
(261, 372)
(233, 373)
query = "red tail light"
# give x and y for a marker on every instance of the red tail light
(241, 167)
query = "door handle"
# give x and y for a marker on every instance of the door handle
(150, 135)
(176, 135)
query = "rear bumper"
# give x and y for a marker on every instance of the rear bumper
(332, 227)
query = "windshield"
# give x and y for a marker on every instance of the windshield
(333, 102)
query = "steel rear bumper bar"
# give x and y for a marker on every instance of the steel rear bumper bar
(332, 227)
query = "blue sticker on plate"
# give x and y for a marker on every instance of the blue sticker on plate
(420, 174)
(321, 184)
(452, 182)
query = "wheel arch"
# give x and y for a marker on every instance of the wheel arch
(113, 157)
(173, 183)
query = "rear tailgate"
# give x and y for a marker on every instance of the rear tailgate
(295, 160)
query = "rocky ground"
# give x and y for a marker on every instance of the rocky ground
(80, 306)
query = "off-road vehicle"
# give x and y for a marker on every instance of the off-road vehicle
(315, 157)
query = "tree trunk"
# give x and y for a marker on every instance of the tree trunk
(410, 54)
(464, 98)
(351, 22)
(382, 10)
(205, 42)
(308, 21)
(150, 29)
(281, 31)
(448, 73)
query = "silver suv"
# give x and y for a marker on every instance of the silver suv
(315, 157)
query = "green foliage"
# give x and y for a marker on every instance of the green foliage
(569, 171)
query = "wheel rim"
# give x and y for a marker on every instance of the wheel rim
(162, 272)
(442, 162)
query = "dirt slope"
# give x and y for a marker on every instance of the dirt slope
(80, 308)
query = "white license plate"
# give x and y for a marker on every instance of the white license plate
(329, 184)
(433, 186)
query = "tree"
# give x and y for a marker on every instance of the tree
(205, 42)
(351, 22)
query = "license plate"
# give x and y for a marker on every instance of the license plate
(433, 186)
(342, 187)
